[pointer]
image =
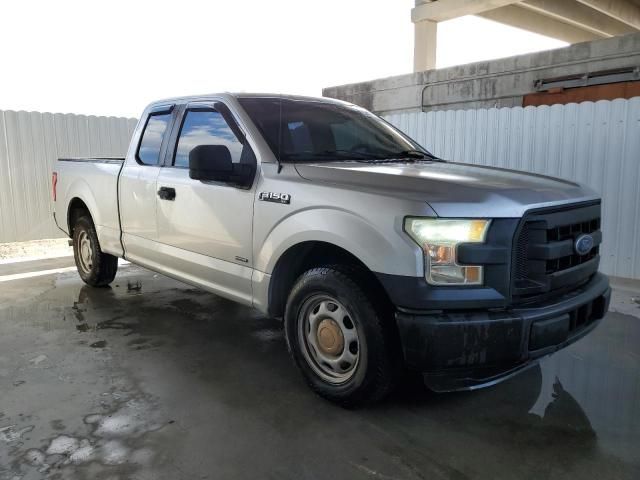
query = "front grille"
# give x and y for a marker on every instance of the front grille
(521, 260)
(544, 259)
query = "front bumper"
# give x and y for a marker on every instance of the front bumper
(462, 350)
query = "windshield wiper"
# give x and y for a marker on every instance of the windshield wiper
(342, 155)
(331, 155)
(417, 154)
(411, 155)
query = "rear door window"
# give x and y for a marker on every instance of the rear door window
(151, 142)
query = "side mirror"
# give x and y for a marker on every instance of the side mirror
(213, 163)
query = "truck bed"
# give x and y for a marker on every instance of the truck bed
(92, 159)
(97, 179)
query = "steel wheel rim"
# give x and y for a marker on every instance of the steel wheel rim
(85, 251)
(329, 339)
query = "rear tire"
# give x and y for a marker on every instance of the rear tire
(340, 339)
(95, 267)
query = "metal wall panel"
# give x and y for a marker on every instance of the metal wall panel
(594, 143)
(30, 142)
(597, 144)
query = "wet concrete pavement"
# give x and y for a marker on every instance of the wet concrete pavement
(152, 379)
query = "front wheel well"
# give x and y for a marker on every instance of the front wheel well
(77, 209)
(306, 255)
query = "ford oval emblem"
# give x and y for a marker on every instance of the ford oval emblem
(584, 244)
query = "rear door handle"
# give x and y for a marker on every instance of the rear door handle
(167, 193)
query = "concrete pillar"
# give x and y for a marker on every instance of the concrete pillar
(425, 43)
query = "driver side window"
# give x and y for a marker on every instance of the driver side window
(344, 136)
(205, 127)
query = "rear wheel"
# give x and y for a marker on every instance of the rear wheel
(341, 341)
(95, 267)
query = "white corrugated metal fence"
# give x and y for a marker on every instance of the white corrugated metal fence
(597, 144)
(30, 142)
(594, 143)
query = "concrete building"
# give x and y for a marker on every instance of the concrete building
(572, 21)
(597, 70)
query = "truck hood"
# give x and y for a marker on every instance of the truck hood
(453, 189)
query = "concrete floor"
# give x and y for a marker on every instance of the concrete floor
(152, 379)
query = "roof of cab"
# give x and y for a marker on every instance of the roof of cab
(238, 95)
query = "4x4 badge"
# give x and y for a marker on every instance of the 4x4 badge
(284, 198)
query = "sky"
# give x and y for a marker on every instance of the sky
(114, 57)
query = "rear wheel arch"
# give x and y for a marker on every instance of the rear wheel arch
(77, 208)
(304, 256)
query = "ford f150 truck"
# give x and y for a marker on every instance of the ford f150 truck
(379, 257)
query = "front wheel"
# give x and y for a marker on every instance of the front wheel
(340, 340)
(95, 267)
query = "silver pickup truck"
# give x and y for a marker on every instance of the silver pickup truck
(379, 257)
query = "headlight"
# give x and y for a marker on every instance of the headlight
(439, 239)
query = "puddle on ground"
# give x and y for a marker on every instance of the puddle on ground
(78, 311)
(57, 425)
(11, 433)
(144, 343)
(269, 334)
(122, 428)
(38, 360)
(118, 438)
(63, 445)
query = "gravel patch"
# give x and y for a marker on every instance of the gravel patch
(35, 249)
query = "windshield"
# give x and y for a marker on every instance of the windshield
(308, 130)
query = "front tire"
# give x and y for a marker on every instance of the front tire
(95, 267)
(340, 339)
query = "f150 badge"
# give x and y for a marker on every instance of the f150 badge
(284, 198)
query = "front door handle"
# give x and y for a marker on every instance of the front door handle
(167, 193)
